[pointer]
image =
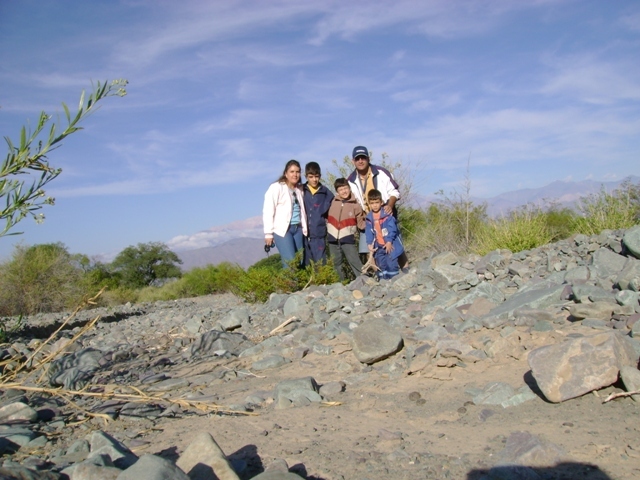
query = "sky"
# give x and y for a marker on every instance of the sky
(222, 94)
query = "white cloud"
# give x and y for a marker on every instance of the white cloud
(591, 79)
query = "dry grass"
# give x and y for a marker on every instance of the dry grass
(21, 378)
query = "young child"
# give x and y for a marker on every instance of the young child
(317, 199)
(382, 237)
(345, 218)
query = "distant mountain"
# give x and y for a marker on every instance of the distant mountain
(243, 251)
(564, 193)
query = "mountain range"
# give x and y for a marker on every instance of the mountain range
(242, 241)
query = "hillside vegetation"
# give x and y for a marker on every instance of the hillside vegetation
(47, 277)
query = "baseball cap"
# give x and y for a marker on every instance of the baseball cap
(359, 151)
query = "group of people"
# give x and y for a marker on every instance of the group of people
(360, 219)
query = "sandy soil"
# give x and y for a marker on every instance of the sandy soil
(401, 426)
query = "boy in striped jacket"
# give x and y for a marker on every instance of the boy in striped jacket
(344, 219)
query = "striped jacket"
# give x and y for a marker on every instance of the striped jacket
(344, 219)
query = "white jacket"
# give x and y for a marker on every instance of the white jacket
(278, 209)
(382, 180)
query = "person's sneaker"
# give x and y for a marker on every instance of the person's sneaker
(405, 270)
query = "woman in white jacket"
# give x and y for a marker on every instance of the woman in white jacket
(283, 213)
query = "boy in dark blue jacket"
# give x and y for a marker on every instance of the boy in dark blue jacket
(383, 238)
(317, 199)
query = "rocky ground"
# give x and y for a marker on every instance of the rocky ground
(465, 368)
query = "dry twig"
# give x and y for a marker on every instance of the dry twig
(621, 394)
(370, 265)
(282, 325)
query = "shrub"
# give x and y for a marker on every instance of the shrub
(40, 278)
(560, 221)
(523, 229)
(608, 211)
(211, 279)
(447, 226)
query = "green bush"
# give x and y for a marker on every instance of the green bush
(608, 211)
(448, 226)
(523, 229)
(211, 279)
(40, 278)
(264, 278)
(560, 221)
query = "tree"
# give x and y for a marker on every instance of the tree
(29, 157)
(146, 264)
(40, 278)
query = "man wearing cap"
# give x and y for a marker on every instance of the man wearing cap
(368, 177)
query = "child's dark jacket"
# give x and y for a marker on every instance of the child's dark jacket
(345, 218)
(317, 207)
(390, 232)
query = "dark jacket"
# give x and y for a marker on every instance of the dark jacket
(389, 232)
(345, 218)
(317, 207)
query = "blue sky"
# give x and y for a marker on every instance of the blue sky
(223, 93)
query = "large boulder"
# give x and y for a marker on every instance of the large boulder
(375, 340)
(580, 365)
(631, 240)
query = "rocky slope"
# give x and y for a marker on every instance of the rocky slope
(478, 368)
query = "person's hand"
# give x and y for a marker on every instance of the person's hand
(370, 248)
(388, 209)
(268, 241)
(388, 247)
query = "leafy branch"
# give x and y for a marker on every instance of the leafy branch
(30, 158)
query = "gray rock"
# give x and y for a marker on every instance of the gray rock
(272, 361)
(293, 305)
(11, 435)
(235, 319)
(607, 263)
(214, 340)
(444, 258)
(431, 331)
(631, 240)
(635, 330)
(331, 388)
(494, 393)
(22, 473)
(523, 394)
(597, 310)
(17, 411)
(580, 365)
(627, 297)
(297, 389)
(531, 316)
(446, 276)
(577, 275)
(193, 325)
(522, 448)
(75, 370)
(203, 459)
(631, 378)
(104, 444)
(275, 475)
(483, 290)
(151, 467)
(629, 277)
(375, 340)
(590, 293)
(536, 298)
(91, 471)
